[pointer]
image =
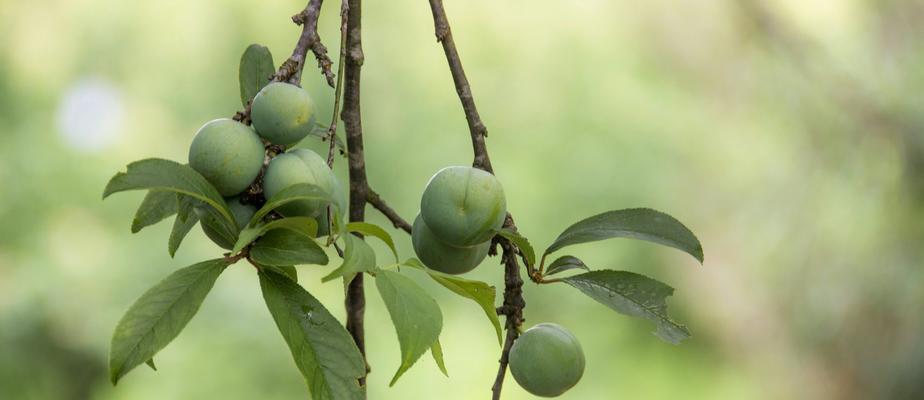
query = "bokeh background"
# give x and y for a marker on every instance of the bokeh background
(789, 135)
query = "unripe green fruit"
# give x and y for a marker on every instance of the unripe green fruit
(242, 214)
(463, 205)
(547, 360)
(228, 154)
(283, 113)
(443, 257)
(298, 166)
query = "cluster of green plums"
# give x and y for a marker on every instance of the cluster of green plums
(460, 211)
(230, 155)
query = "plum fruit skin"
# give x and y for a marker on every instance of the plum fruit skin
(463, 205)
(242, 214)
(228, 154)
(443, 257)
(283, 113)
(294, 167)
(547, 360)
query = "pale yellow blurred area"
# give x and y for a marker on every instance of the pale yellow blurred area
(789, 135)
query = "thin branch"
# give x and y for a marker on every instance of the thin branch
(309, 40)
(376, 201)
(355, 301)
(332, 131)
(513, 293)
(475, 126)
(291, 69)
(512, 310)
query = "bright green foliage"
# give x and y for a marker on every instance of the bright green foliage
(443, 257)
(565, 263)
(228, 154)
(283, 113)
(634, 295)
(255, 71)
(323, 350)
(156, 206)
(416, 316)
(358, 257)
(159, 174)
(159, 315)
(185, 220)
(463, 206)
(521, 242)
(295, 167)
(305, 225)
(636, 223)
(242, 214)
(366, 228)
(479, 292)
(281, 247)
(292, 194)
(547, 360)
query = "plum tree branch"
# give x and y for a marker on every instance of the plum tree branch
(355, 302)
(376, 201)
(463, 89)
(513, 293)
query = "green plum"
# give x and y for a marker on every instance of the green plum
(242, 214)
(463, 205)
(547, 360)
(443, 257)
(228, 154)
(283, 113)
(294, 167)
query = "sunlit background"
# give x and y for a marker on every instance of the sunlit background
(789, 135)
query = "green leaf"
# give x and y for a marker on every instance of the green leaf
(150, 363)
(437, 352)
(306, 225)
(481, 293)
(185, 220)
(416, 316)
(300, 191)
(323, 350)
(358, 257)
(366, 228)
(159, 174)
(159, 315)
(156, 206)
(636, 223)
(225, 237)
(633, 295)
(255, 72)
(281, 247)
(521, 242)
(288, 271)
(565, 263)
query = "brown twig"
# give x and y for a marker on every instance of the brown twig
(355, 302)
(464, 90)
(332, 130)
(513, 294)
(512, 310)
(376, 201)
(309, 40)
(291, 69)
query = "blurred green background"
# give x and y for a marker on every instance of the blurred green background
(789, 135)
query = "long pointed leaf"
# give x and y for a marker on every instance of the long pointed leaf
(323, 350)
(416, 316)
(159, 315)
(636, 223)
(633, 295)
